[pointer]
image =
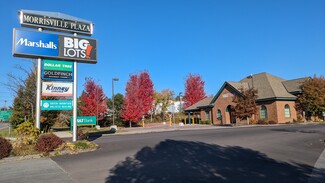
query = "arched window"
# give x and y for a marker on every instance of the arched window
(207, 114)
(287, 112)
(219, 114)
(263, 112)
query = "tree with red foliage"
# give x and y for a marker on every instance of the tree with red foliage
(146, 92)
(93, 100)
(138, 97)
(194, 90)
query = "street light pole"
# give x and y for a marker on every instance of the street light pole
(97, 106)
(180, 101)
(113, 108)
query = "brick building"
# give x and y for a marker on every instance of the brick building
(276, 100)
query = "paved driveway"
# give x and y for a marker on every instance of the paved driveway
(253, 154)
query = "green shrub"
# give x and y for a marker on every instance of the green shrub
(84, 144)
(81, 145)
(5, 148)
(263, 121)
(82, 134)
(206, 122)
(48, 142)
(26, 133)
(23, 150)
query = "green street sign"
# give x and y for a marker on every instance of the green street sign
(83, 120)
(55, 65)
(5, 115)
(48, 105)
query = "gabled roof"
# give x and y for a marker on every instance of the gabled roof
(233, 85)
(200, 104)
(293, 86)
(268, 86)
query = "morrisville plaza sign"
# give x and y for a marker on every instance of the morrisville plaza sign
(44, 45)
(55, 21)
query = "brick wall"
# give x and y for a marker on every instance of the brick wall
(223, 101)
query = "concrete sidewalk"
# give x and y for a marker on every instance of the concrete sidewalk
(165, 127)
(33, 171)
(149, 128)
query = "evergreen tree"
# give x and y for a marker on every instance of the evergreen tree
(118, 102)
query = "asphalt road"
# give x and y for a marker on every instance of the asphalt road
(249, 154)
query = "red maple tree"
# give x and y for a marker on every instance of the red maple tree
(138, 98)
(146, 92)
(194, 90)
(93, 100)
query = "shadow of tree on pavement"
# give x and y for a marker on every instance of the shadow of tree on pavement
(184, 161)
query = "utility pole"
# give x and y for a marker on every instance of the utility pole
(113, 108)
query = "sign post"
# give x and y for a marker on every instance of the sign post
(39, 45)
(38, 94)
(75, 80)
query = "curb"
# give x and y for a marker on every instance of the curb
(318, 173)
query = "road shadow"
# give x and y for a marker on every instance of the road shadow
(95, 135)
(184, 161)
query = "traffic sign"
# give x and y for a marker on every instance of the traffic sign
(5, 115)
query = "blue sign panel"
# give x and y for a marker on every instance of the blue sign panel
(52, 46)
(28, 43)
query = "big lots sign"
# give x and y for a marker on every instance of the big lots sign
(43, 45)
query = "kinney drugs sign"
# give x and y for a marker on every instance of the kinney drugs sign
(56, 89)
(43, 45)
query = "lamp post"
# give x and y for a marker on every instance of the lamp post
(96, 106)
(180, 101)
(113, 79)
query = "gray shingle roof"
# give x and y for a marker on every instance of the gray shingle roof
(293, 86)
(268, 86)
(238, 85)
(204, 102)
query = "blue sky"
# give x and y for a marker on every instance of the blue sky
(218, 39)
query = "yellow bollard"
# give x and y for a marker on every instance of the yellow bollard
(170, 121)
(142, 123)
(192, 120)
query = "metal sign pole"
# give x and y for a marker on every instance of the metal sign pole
(38, 94)
(75, 74)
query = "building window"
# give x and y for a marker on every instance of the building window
(263, 112)
(207, 114)
(219, 114)
(287, 111)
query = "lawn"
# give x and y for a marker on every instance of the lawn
(6, 133)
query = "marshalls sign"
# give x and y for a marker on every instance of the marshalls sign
(52, 46)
